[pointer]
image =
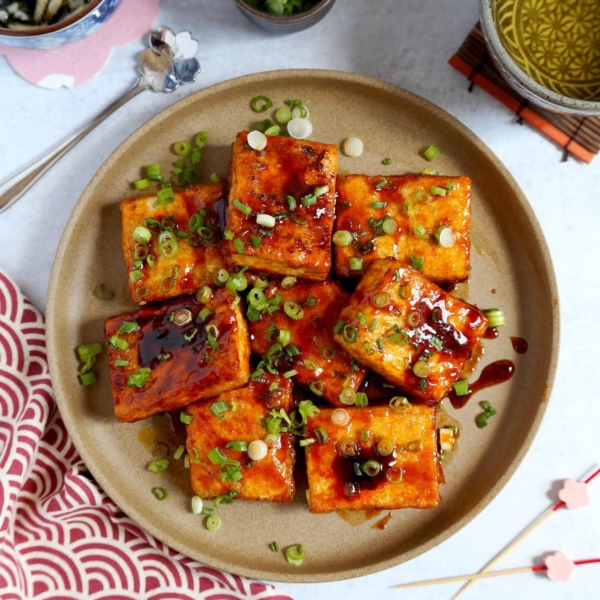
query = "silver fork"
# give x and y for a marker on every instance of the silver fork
(168, 62)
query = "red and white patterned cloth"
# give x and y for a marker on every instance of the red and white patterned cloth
(61, 537)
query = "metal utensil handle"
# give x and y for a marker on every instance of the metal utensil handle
(12, 188)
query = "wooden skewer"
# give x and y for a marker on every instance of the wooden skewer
(486, 575)
(528, 531)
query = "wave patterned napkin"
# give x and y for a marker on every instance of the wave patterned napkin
(61, 537)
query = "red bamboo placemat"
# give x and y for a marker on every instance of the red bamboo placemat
(577, 136)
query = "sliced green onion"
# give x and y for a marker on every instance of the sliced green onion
(212, 522)
(437, 343)
(371, 468)
(158, 466)
(415, 446)
(237, 282)
(166, 285)
(182, 148)
(407, 208)
(128, 327)
(416, 262)
(421, 368)
(217, 456)
(431, 153)
(293, 310)
(142, 235)
(339, 326)
(361, 399)
(265, 220)
(219, 409)
(355, 264)
(308, 200)
(87, 378)
(86, 351)
(185, 418)
(241, 206)
(495, 317)
(273, 130)
(316, 387)
(239, 445)
(288, 282)
(389, 227)
(437, 191)
(141, 184)
(394, 475)
(168, 244)
(365, 435)
(350, 333)
(299, 219)
(347, 396)
(221, 277)
(295, 554)
(204, 314)
(400, 405)
(386, 161)
(239, 246)
(444, 237)
(378, 205)
(165, 196)
(102, 293)
(256, 241)
(154, 172)
(191, 174)
(116, 342)
(215, 178)
(274, 546)
(204, 294)
(342, 238)
(307, 442)
(421, 232)
(160, 493)
(135, 276)
(261, 103)
(289, 374)
(380, 299)
(482, 419)
(284, 337)
(328, 352)
(320, 190)
(321, 434)
(201, 139)
(283, 115)
(349, 448)
(461, 387)
(291, 201)
(422, 196)
(120, 362)
(361, 318)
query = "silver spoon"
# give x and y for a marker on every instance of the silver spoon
(168, 62)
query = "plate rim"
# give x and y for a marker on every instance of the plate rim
(549, 273)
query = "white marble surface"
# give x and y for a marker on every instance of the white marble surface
(406, 43)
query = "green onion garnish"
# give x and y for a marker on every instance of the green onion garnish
(437, 343)
(217, 456)
(221, 277)
(182, 148)
(386, 161)
(168, 244)
(241, 206)
(339, 326)
(116, 342)
(380, 184)
(407, 208)
(295, 554)
(416, 262)
(482, 419)
(179, 452)
(212, 522)
(421, 368)
(291, 201)
(256, 241)
(355, 264)
(219, 409)
(201, 139)
(361, 318)
(328, 352)
(371, 468)
(273, 130)
(400, 405)
(361, 399)
(342, 238)
(322, 435)
(237, 282)
(431, 153)
(154, 172)
(160, 493)
(185, 418)
(350, 333)
(461, 387)
(495, 317)
(283, 115)
(140, 184)
(204, 314)
(385, 446)
(88, 378)
(215, 178)
(239, 445)
(378, 205)
(142, 235)
(437, 191)
(380, 299)
(389, 226)
(128, 327)
(86, 351)
(308, 200)
(121, 363)
(102, 293)
(420, 232)
(316, 387)
(158, 466)
(165, 196)
(138, 380)
(239, 246)
(261, 103)
(293, 310)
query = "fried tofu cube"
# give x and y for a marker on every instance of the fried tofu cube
(292, 181)
(399, 216)
(270, 478)
(166, 356)
(176, 260)
(407, 329)
(321, 362)
(396, 467)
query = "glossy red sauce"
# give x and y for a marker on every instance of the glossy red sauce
(519, 345)
(494, 374)
(491, 333)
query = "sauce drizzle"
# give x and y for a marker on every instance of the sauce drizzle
(519, 345)
(382, 523)
(494, 374)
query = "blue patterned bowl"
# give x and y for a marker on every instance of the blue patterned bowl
(80, 25)
(285, 23)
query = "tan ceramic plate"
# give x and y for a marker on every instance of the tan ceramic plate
(509, 255)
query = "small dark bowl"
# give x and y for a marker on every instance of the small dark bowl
(287, 23)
